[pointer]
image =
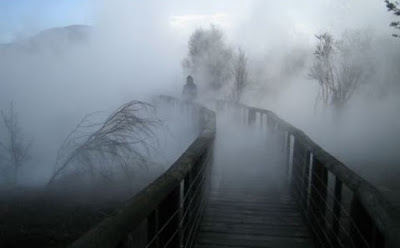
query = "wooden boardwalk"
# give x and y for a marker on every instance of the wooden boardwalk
(252, 219)
(249, 204)
(244, 201)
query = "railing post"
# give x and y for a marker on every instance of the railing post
(319, 181)
(293, 178)
(306, 179)
(299, 161)
(181, 212)
(195, 189)
(152, 229)
(168, 216)
(251, 117)
(287, 162)
(361, 226)
(188, 192)
(270, 123)
(337, 202)
(378, 239)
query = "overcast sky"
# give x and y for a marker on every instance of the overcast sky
(25, 17)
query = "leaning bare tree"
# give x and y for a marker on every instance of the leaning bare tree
(122, 140)
(240, 74)
(338, 69)
(16, 150)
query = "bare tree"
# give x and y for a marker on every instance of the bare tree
(123, 139)
(322, 69)
(240, 74)
(209, 58)
(16, 150)
(338, 69)
(393, 6)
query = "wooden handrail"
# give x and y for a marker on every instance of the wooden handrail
(382, 212)
(111, 231)
(385, 216)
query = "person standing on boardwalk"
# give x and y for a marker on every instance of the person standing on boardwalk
(189, 92)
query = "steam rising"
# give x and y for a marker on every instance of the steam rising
(134, 50)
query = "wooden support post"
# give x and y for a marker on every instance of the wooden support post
(361, 226)
(152, 229)
(260, 122)
(188, 192)
(287, 162)
(244, 116)
(317, 216)
(270, 123)
(378, 239)
(293, 177)
(306, 179)
(298, 164)
(251, 117)
(167, 209)
(337, 202)
(182, 211)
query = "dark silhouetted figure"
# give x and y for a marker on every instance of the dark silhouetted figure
(189, 90)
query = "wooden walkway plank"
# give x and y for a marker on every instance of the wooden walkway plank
(244, 240)
(249, 205)
(238, 224)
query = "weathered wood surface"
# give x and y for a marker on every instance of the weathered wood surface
(252, 218)
(249, 204)
(382, 207)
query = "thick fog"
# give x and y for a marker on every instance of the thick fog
(57, 76)
(125, 50)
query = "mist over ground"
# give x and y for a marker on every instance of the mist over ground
(73, 72)
(124, 50)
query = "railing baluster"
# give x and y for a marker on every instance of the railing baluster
(189, 194)
(294, 177)
(251, 117)
(361, 227)
(319, 181)
(378, 240)
(306, 173)
(181, 211)
(270, 122)
(287, 153)
(336, 210)
(167, 208)
(298, 165)
(152, 228)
